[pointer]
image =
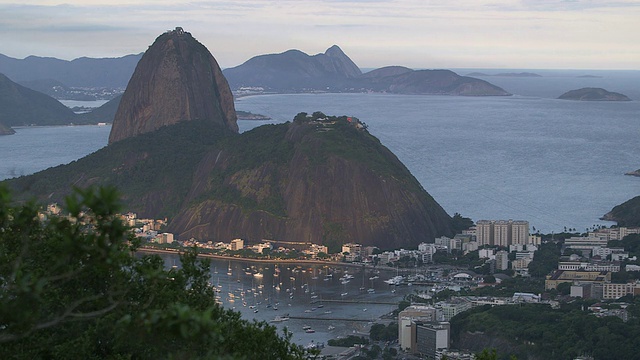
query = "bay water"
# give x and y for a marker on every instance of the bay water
(531, 157)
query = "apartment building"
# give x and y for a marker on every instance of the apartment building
(616, 291)
(430, 338)
(502, 232)
(409, 315)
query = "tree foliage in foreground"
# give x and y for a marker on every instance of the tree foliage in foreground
(73, 288)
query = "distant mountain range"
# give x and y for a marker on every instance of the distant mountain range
(290, 71)
(334, 71)
(81, 72)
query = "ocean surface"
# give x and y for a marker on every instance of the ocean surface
(528, 157)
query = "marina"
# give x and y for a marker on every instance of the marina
(300, 295)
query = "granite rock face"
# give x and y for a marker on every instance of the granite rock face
(177, 79)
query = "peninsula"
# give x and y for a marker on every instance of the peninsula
(634, 173)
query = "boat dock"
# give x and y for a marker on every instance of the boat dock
(353, 301)
(329, 319)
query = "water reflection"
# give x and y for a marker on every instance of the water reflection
(315, 302)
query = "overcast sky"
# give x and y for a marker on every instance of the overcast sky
(524, 34)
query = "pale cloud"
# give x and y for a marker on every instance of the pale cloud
(415, 33)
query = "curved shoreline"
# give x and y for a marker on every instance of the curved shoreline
(273, 261)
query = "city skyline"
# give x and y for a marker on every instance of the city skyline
(524, 34)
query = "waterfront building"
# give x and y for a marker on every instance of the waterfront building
(387, 257)
(165, 238)
(353, 249)
(236, 244)
(315, 249)
(259, 248)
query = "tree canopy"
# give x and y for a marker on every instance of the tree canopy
(73, 287)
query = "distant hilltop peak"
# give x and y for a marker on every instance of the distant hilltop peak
(334, 50)
(294, 70)
(176, 80)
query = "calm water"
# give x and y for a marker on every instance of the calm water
(554, 163)
(302, 293)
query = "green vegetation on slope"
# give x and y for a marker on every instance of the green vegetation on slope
(627, 213)
(539, 331)
(76, 290)
(260, 147)
(20, 106)
(348, 138)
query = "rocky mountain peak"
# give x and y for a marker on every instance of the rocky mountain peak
(177, 79)
(335, 51)
(342, 63)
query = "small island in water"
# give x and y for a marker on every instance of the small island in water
(634, 173)
(246, 115)
(593, 94)
(5, 130)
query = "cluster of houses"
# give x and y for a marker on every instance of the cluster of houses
(589, 268)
